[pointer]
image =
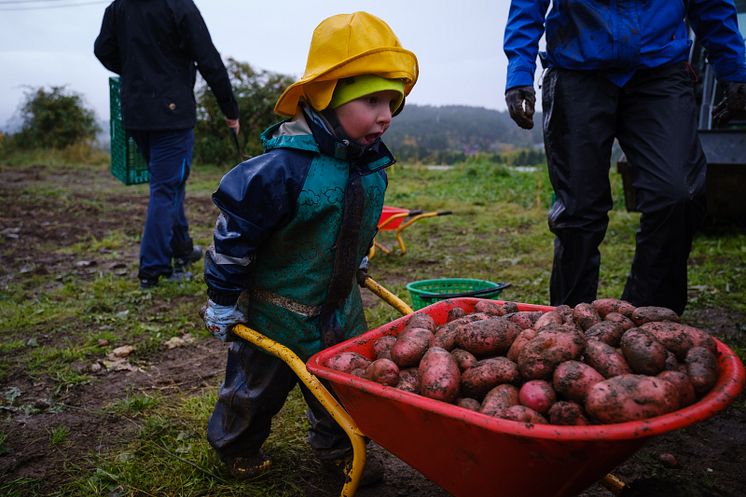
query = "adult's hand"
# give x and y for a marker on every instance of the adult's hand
(732, 106)
(233, 124)
(219, 319)
(521, 101)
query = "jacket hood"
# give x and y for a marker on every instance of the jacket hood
(311, 132)
(343, 46)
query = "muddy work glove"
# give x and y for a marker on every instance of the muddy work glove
(732, 106)
(521, 101)
(219, 319)
(362, 272)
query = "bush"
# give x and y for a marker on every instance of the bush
(54, 118)
(256, 93)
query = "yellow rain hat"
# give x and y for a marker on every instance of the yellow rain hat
(343, 46)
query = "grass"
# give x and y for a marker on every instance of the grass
(53, 324)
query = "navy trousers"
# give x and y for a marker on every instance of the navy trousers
(653, 117)
(256, 387)
(166, 233)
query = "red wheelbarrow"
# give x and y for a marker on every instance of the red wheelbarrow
(469, 453)
(397, 220)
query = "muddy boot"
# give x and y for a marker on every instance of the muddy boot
(373, 472)
(244, 468)
(182, 263)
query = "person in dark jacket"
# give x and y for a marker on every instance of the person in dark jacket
(156, 46)
(619, 70)
(295, 225)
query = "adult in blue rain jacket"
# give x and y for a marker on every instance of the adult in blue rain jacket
(295, 225)
(619, 70)
(157, 46)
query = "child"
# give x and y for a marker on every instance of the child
(295, 224)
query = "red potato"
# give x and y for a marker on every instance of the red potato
(468, 403)
(410, 346)
(523, 414)
(520, 341)
(362, 373)
(409, 380)
(615, 317)
(382, 346)
(495, 308)
(684, 387)
(347, 361)
(605, 359)
(439, 375)
(524, 319)
(647, 314)
(464, 359)
(673, 364)
(608, 305)
(445, 335)
(574, 379)
(630, 397)
(549, 317)
(455, 313)
(537, 395)
(383, 371)
(486, 374)
(487, 337)
(608, 332)
(702, 368)
(643, 353)
(679, 338)
(421, 320)
(498, 399)
(567, 413)
(585, 316)
(545, 351)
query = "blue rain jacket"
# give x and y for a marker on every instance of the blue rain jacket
(619, 37)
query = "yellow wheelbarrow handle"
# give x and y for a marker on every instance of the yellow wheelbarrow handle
(355, 470)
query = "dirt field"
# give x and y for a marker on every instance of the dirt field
(703, 460)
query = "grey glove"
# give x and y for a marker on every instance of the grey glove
(521, 101)
(219, 319)
(362, 272)
(732, 106)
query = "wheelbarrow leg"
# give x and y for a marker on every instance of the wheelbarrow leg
(411, 221)
(355, 470)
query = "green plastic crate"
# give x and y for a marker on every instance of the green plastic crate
(127, 163)
(426, 292)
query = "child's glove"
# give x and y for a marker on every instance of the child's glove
(362, 272)
(219, 319)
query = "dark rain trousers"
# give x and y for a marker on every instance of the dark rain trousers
(653, 117)
(166, 234)
(256, 387)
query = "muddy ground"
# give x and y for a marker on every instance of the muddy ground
(702, 460)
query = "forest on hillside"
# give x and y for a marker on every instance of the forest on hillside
(452, 133)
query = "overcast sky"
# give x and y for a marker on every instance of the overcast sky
(458, 44)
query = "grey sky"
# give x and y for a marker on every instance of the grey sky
(458, 44)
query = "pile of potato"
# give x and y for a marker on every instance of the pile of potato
(597, 363)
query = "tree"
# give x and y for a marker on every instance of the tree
(256, 93)
(55, 118)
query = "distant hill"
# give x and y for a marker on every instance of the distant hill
(444, 134)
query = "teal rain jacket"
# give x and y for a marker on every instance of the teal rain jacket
(275, 238)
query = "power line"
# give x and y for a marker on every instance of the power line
(44, 7)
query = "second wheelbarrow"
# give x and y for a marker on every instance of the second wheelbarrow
(397, 220)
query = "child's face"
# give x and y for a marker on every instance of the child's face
(366, 118)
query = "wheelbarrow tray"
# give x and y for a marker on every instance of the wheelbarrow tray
(468, 453)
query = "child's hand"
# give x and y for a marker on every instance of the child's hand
(219, 319)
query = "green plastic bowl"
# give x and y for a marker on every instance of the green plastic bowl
(426, 292)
